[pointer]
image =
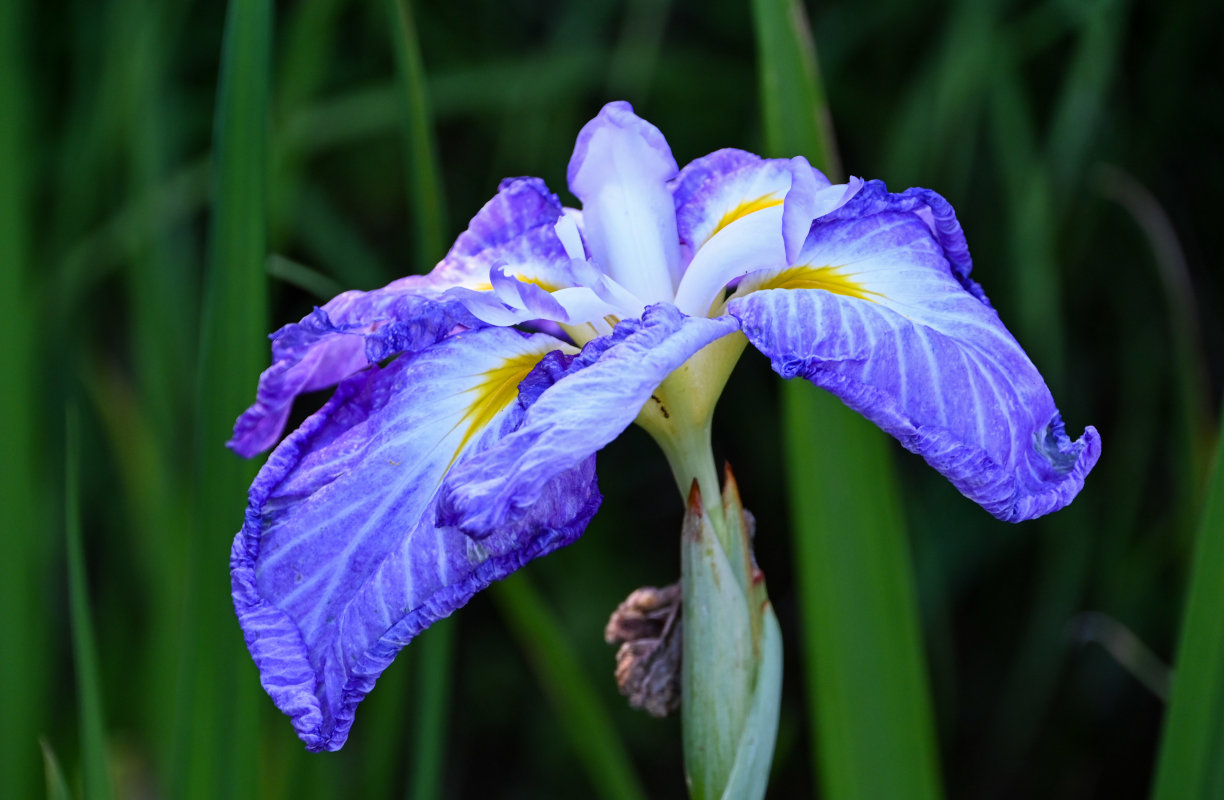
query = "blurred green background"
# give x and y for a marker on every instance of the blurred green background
(1079, 142)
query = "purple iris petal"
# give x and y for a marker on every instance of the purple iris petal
(737, 212)
(711, 186)
(601, 392)
(352, 331)
(514, 230)
(877, 312)
(528, 296)
(619, 170)
(340, 563)
(933, 209)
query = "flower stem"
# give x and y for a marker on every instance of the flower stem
(731, 667)
(679, 415)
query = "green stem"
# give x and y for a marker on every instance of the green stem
(679, 416)
(690, 455)
(731, 672)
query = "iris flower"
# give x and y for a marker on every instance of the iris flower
(460, 440)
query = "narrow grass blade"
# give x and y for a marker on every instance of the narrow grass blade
(1192, 746)
(23, 550)
(867, 682)
(57, 787)
(433, 656)
(305, 60)
(937, 126)
(162, 273)
(866, 678)
(151, 491)
(1085, 89)
(161, 267)
(95, 769)
(217, 723)
(426, 199)
(310, 30)
(1185, 325)
(303, 277)
(1032, 212)
(382, 739)
(589, 730)
(796, 118)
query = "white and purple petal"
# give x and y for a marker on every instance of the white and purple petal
(341, 562)
(592, 398)
(516, 230)
(737, 212)
(619, 170)
(878, 311)
(350, 332)
(713, 191)
(937, 213)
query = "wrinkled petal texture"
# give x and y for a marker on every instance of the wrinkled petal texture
(354, 330)
(340, 562)
(937, 213)
(880, 311)
(516, 231)
(591, 399)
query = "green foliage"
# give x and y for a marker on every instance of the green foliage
(569, 689)
(175, 186)
(866, 678)
(1192, 748)
(216, 735)
(23, 684)
(94, 763)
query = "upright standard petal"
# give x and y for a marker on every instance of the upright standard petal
(588, 401)
(340, 562)
(714, 191)
(879, 310)
(619, 170)
(737, 212)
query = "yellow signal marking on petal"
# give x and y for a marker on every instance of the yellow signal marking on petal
(828, 278)
(498, 387)
(744, 209)
(543, 284)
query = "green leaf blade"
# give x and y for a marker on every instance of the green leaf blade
(217, 743)
(427, 200)
(866, 677)
(1192, 745)
(95, 768)
(590, 731)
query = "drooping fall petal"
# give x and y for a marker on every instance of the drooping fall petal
(341, 561)
(880, 313)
